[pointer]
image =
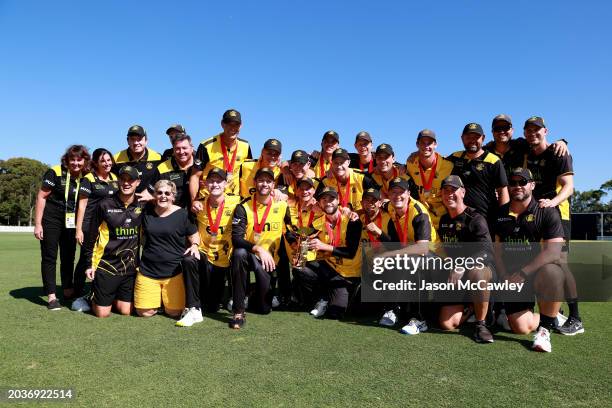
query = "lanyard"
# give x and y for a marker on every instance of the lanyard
(402, 232)
(258, 226)
(67, 190)
(370, 166)
(333, 234)
(214, 227)
(229, 167)
(321, 166)
(344, 198)
(427, 184)
(299, 216)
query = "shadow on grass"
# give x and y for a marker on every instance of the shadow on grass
(33, 294)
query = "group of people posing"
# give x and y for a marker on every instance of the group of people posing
(170, 232)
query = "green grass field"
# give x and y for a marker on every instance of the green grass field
(284, 359)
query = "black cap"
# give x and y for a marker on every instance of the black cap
(264, 170)
(363, 135)
(371, 192)
(273, 144)
(426, 133)
(231, 115)
(502, 118)
(523, 173)
(219, 172)
(340, 152)
(327, 191)
(176, 127)
(399, 182)
(453, 181)
(305, 180)
(385, 148)
(130, 171)
(136, 130)
(473, 128)
(332, 133)
(299, 156)
(535, 120)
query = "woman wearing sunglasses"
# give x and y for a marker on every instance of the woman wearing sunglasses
(170, 248)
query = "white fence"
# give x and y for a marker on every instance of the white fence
(7, 228)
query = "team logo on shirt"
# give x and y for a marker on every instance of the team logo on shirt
(480, 166)
(458, 227)
(530, 218)
(138, 210)
(149, 166)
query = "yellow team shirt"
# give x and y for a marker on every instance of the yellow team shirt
(218, 250)
(433, 199)
(415, 208)
(273, 229)
(247, 176)
(356, 178)
(349, 268)
(295, 225)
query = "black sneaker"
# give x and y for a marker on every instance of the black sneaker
(238, 321)
(54, 305)
(482, 334)
(571, 327)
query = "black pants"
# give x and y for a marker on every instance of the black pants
(320, 280)
(90, 236)
(56, 234)
(242, 263)
(205, 281)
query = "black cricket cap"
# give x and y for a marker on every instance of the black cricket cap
(363, 135)
(327, 191)
(535, 120)
(332, 133)
(385, 148)
(399, 182)
(231, 115)
(264, 170)
(273, 144)
(307, 180)
(371, 192)
(130, 171)
(427, 133)
(177, 127)
(473, 128)
(522, 172)
(340, 152)
(217, 171)
(453, 181)
(299, 156)
(502, 118)
(136, 130)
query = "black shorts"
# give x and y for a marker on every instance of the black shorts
(108, 288)
(515, 307)
(567, 234)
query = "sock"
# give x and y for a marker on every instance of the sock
(573, 308)
(547, 322)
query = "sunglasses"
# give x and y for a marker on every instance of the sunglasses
(503, 128)
(518, 183)
(166, 193)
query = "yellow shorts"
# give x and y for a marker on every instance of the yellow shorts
(150, 293)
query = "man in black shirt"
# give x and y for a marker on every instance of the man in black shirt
(172, 132)
(363, 160)
(462, 224)
(482, 174)
(554, 185)
(523, 226)
(138, 155)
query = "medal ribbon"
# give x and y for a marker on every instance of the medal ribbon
(427, 183)
(333, 234)
(229, 167)
(370, 166)
(344, 198)
(402, 232)
(258, 226)
(310, 217)
(214, 227)
(378, 221)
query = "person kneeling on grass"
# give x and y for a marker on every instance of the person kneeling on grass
(523, 226)
(115, 254)
(166, 229)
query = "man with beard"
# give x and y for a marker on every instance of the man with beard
(462, 224)
(363, 160)
(215, 227)
(226, 151)
(554, 185)
(386, 169)
(524, 226)
(482, 174)
(511, 151)
(115, 255)
(172, 132)
(298, 169)
(427, 170)
(257, 231)
(349, 183)
(407, 223)
(338, 266)
(329, 144)
(177, 169)
(139, 156)
(270, 158)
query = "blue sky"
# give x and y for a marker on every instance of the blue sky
(83, 72)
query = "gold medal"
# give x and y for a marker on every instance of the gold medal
(257, 237)
(229, 176)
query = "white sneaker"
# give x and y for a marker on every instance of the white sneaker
(389, 319)
(275, 302)
(80, 305)
(414, 326)
(320, 308)
(541, 341)
(189, 317)
(502, 321)
(560, 319)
